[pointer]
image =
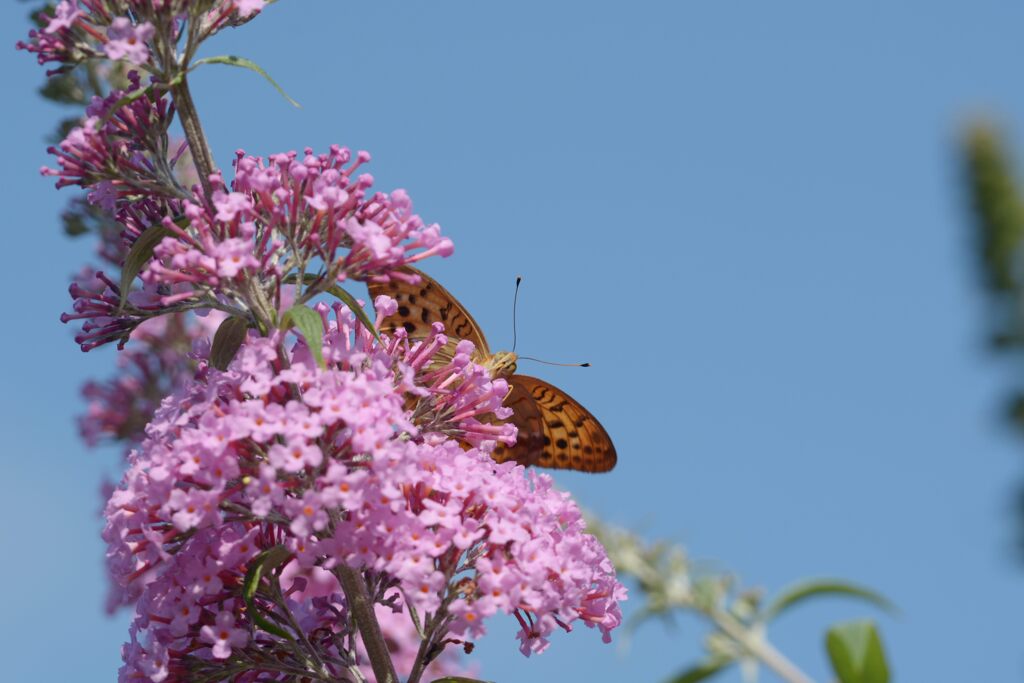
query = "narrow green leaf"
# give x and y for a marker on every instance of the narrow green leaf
(310, 325)
(856, 653)
(227, 340)
(266, 561)
(293, 278)
(275, 557)
(823, 587)
(138, 256)
(702, 671)
(233, 60)
(358, 310)
(252, 578)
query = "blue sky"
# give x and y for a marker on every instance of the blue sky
(747, 216)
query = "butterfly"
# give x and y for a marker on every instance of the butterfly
(555, 431)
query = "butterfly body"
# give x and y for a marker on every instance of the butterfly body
(501, 364)
(554, 429)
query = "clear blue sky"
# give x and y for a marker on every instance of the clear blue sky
(747, 216)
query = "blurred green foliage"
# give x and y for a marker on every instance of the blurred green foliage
(667, 584)
(998, 207)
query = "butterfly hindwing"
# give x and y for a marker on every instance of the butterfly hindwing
(526, 416)
(422, 304)
(554, 430)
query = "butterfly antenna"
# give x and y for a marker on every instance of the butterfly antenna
(515, 300)
(547, 362)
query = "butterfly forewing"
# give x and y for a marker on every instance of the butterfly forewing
(554, 430)
(421, 305)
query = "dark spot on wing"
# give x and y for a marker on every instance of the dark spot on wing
(409, 327)
(404, 312)
(562, 443)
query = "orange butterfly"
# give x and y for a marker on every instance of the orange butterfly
(554, 429)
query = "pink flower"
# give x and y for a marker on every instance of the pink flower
(230, 205)
(127, 41)
(295, 456)
(65, 14)
(247, 8)
(223, 635)
(233, 256)
(58, 41)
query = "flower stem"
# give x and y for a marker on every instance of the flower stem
(421, 656)
(197, 144)
(358, 598)
(759, 648)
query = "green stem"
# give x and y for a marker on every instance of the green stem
(358, 598)
(759, 648)
(426, 644)
(197, 144)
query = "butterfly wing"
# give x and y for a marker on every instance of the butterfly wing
(527, 417)
(554, 430)
(421, 305)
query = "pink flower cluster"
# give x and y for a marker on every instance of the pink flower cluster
(97, 300)
(277, 220)
(83, 29)
(194, 605)
(295, 209)
(348, 465)
(120, 154)
(119, 407)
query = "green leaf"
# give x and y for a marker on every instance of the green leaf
(266, 561)
(818, 587)
(138, 256)
(227, 340)
(233, 60)
(345, 297)
(702, 671)
(310, 326)
(358, 310)
(856, 653)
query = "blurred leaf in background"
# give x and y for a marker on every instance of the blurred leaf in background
(669, 584)
(998, 207)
